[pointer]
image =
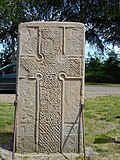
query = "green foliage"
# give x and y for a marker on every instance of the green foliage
(112, 67)
(107, 71)
(12, 13)
(101, 18)
(5, 58)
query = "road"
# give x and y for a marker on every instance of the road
(95, 91)
(90, 92)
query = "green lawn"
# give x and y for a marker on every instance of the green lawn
(6, 122)
(102, 125)
(102, 84)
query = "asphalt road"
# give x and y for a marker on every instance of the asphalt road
(90, 92)
(95, 91)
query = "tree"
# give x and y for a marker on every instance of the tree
(94, 70)
(12, 13)
(101, 18)
(112, 66)
(105, 71)
(105, 22)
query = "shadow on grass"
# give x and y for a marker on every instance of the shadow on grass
(104, 139)
(117, 117)
(6, 140)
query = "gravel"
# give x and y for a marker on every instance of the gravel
(96, 91)
(7, 98)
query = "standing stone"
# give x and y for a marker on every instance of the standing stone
(50, 87)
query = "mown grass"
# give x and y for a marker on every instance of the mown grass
(102, 84)
(6, 122)
(102, 126)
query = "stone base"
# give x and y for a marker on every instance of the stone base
(57, 156)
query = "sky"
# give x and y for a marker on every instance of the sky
(89, 48)
(92, 49)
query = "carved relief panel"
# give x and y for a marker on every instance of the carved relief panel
(50, 86)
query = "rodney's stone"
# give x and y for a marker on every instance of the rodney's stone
(50, 87)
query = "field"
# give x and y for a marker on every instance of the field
(102, 127)
(6, 124)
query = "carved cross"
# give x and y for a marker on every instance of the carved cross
(50, 87)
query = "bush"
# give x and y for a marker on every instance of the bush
(107, 71)
(99, 78)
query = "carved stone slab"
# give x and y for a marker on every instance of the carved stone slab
(50, 87)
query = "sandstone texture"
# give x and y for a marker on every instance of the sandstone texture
(50, 87)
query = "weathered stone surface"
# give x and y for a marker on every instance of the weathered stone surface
(50, 87)
(56, 156)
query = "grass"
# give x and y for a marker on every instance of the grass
(6, 122)
(102, 84)
(102, 126)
